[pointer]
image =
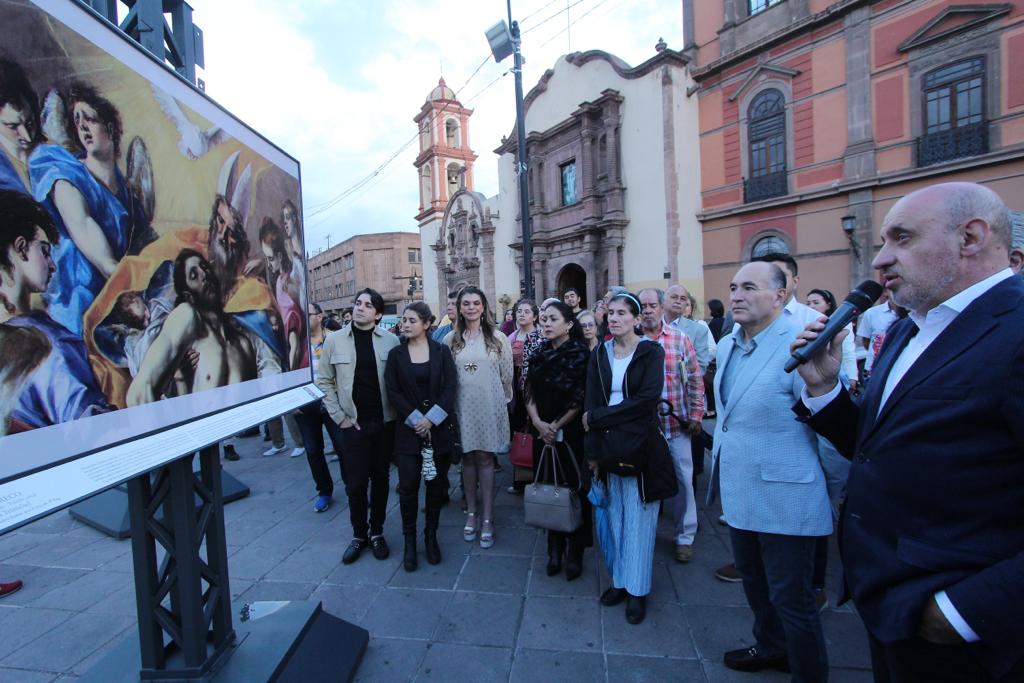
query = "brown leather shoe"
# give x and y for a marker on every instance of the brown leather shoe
(684, 553)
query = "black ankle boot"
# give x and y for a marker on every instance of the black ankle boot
(556, 548)
(410, 553)
(573, 562)
(430, 546)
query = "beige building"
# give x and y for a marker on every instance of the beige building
(614, 192)
(389, 262)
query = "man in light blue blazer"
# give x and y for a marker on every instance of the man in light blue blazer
(767, 470)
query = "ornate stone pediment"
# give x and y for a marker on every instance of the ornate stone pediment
(953, 20)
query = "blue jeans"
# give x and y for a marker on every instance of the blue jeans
(776, 572)
(312, 419)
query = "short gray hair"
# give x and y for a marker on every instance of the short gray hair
(659, 292)
(1017, 228)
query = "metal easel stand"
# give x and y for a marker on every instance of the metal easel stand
(185, 630)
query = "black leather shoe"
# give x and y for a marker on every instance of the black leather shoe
(409, 561)
(636, 609)
(433, 551)
(752, 659)
(380, 548)
(613, 596)
(353, 551)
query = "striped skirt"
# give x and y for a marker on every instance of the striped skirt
(634, 525)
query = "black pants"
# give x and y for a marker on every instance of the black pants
(409, 472)
(365, 461)
(312, 419)
(918, 661)
(820, 563)
(776, 571)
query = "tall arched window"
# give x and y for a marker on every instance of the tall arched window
(766, 140)
(451, 132)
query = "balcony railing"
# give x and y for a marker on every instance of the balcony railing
(955, 143)
(765, 187)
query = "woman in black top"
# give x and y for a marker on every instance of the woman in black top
(554, 401)
(421, 381)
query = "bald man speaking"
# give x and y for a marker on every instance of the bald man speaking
(932, 532)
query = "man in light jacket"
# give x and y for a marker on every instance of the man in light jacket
(351, 375)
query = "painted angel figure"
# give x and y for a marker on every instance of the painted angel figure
(101, 214)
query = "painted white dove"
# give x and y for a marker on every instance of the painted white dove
(194, 142)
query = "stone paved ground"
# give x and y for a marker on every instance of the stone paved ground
(481, 615)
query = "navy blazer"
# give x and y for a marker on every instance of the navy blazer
(935, 496)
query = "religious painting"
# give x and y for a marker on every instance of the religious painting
(151, 251)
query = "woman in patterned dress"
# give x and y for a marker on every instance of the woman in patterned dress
(483, 360)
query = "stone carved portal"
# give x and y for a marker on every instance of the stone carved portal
(464, 246)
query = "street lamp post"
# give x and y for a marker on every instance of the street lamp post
(504, 42)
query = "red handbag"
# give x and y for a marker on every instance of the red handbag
(521, 454)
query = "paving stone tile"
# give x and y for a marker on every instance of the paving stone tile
(83, 667)
(310, 562)
(366, 571)
(561, 624)
(120, 602)
(242, 531)
(481, 619)
(632, 669)
(531, 666)
(254, 561)
(53, 554)
(664, 632)
(437, 576)
(585, 586)
(23, 676)
(84, 591)
(38, 581)
(98, 554)
(718, 629)
(22, 625)
(449, 661)
(716, 672)
(405, 613)
(495, 574)
(514, 541)
(695, 581)
(276, 590)
(387, 660)
(346, 602)
(18, 542)
(69, 643)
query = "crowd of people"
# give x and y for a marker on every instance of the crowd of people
(904, 429)
(877, 433)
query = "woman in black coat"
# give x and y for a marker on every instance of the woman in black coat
(421, 381)
(625, 378)
(554, 402)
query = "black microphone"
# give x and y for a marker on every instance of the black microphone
(858, 301)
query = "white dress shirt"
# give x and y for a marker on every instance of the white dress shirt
(930, 326)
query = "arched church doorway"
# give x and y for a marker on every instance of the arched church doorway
(575, 277)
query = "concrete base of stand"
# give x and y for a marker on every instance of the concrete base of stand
(298, 643)
(108, 511)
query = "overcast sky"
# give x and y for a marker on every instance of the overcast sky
(336, 84)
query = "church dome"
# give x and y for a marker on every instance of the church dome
(441, 92)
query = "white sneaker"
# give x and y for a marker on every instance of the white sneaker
(274, 450)
(297, 451)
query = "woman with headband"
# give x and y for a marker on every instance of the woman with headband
(624, 383)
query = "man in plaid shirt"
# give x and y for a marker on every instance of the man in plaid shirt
(684, 390)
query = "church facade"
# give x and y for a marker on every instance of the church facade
(613, 192)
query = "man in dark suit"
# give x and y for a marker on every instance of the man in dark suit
(932, 533)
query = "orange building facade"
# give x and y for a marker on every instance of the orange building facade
(817, 115)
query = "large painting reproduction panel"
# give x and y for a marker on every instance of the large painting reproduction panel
(151, 250)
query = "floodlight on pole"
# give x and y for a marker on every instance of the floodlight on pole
(504, 42)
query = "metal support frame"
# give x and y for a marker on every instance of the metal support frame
(180, 43)
(184, 603)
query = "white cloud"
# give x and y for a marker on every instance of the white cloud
(276, 66)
